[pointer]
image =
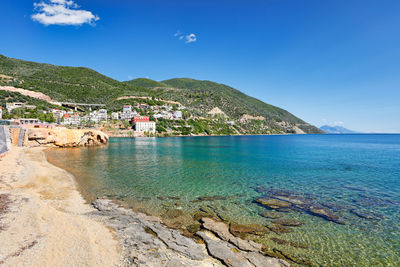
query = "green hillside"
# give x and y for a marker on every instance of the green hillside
(147, 83)
(65, 83)
(83, 85)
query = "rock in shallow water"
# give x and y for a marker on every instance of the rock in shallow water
(323, 213)
(241, 229)
(271, 215)
(273, 203)
(366, 214)
(288, 222)
(279, 229)
(173, 213)
(284, 200)
(284, 242)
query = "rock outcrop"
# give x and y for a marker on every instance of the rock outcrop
(222, 231)
(146, 241)
(62, 137)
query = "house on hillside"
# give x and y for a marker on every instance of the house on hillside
(177, 115)
(11, 106)
(72, 119)
(115, 116)
(127, 112)
(102, 114)
(143, 124)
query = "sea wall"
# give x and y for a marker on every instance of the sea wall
(62, 137)
(5, 141)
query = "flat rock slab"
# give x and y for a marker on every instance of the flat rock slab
(147, 242)
(222, 230)
(233, 257)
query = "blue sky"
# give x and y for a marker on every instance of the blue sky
(327, 62)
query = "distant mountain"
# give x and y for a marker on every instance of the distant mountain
(336, 130)
(84, 85)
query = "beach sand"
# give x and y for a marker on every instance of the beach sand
(43, 218)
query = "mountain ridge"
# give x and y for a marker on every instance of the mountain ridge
(336, 130)
(84, 85)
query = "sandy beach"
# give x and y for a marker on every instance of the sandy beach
(43, 219)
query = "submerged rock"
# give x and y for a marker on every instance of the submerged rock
(273, 203)
(173, 213)
(284, 242)
(323, 213)
(271, 215)
(295, 200)
(211, 198)
(284, 255)
(241, 230)
(366, 214)
(193, 228)
(279, 229)
(287, 201)
(372, 201)
(198, 215)
(288, 222)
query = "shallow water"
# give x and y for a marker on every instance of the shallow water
(347, 173)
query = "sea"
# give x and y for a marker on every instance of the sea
(353, 181)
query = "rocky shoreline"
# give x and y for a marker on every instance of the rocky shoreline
(146, 241)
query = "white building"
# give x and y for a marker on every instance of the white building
(157, 116)
(11, 106)
(1, 113)
(127, 113)
(145, 126)
(102, 114)
(58, 114)
(115, 116)
(177, 115)
(72, 119)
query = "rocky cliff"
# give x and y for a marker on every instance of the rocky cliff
(62, 137)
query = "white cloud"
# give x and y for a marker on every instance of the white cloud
(62, 12)
(178, 33)
(338, 123)
(189, 38)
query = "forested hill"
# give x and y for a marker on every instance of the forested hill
(78, 84)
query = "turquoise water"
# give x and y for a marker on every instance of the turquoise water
(345, 174)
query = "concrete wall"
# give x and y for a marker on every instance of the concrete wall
(5, 142)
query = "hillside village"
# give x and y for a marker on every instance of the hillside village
(133, 120)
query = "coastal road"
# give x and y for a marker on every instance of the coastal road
(3, 140)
